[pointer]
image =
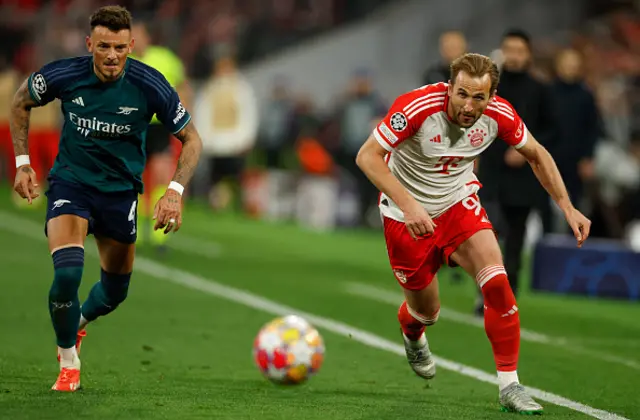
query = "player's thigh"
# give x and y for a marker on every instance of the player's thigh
(115, 217)
(424, 301)
(468, 238)
(65, 230)
(478, 251)
(115, 257)
(68, 214)
(415, 264)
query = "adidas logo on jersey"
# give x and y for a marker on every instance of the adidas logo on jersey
(436, 139)
(98, 128)
(78, 101)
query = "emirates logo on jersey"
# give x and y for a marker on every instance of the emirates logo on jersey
(476, 136)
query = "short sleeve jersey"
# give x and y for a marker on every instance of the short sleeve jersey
(105, 123)
(167, 63)
(431, 155)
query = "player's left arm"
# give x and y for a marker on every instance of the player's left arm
(514, 132)
(172, 113)
(546, 170)
(190, 154)
(168, 210)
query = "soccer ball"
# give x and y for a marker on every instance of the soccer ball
(288, 350)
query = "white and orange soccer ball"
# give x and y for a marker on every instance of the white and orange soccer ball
(288, 350)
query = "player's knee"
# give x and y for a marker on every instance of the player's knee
(425, 319)
(68, 264)
(115, 287)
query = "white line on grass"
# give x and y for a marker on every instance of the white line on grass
(395, 298)
(24, 227)
(195, 246)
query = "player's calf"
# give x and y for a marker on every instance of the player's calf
(501, 321)
(105, 296)
(415, 340)
(64, 306)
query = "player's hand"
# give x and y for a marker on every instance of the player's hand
(418, 221)
(26, 183)
(168, 212)
(579, 224)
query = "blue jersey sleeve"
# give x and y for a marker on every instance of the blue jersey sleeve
(163, 99)
(171, 112)
(48, 83)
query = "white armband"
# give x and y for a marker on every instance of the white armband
(173, 185)
(22, 160)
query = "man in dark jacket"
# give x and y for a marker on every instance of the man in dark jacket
(506, 177)
(577, 124)
(452, 45)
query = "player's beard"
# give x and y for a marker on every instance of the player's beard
(111, 70)
(466, 120)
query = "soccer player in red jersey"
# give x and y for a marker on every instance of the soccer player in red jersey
(421, 157)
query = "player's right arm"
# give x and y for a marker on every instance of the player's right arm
(39, 89)
(25, 182)
(401, 122)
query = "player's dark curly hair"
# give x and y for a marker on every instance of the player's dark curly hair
(476, 65)
(115, 18)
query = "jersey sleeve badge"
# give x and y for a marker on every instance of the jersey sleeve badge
(398, 122)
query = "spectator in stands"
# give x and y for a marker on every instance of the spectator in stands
(506, 177)
(226, 112)
(617, 172)
(275, 130)
(317, 186)
(634, 194)
(453, 44)
(362, 107)
(577, 123)
(275, 145)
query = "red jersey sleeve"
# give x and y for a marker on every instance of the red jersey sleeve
(511, 128)
(407, 114)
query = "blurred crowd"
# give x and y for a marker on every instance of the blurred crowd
(198, 30)
(287, 160)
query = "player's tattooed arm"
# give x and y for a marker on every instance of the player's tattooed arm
(190, 155)
(19, 119)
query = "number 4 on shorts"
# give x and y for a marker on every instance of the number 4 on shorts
(132, 216)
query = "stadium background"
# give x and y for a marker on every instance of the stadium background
(301, 228)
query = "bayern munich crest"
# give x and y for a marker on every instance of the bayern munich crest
(398, 121)
(476, 136)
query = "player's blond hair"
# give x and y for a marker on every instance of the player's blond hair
(476, 65)
(114, 18)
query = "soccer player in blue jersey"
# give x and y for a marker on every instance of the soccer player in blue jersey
(107, 101)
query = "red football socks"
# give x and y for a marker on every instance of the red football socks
(501, 318)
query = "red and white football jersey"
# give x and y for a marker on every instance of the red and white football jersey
(431, 155)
